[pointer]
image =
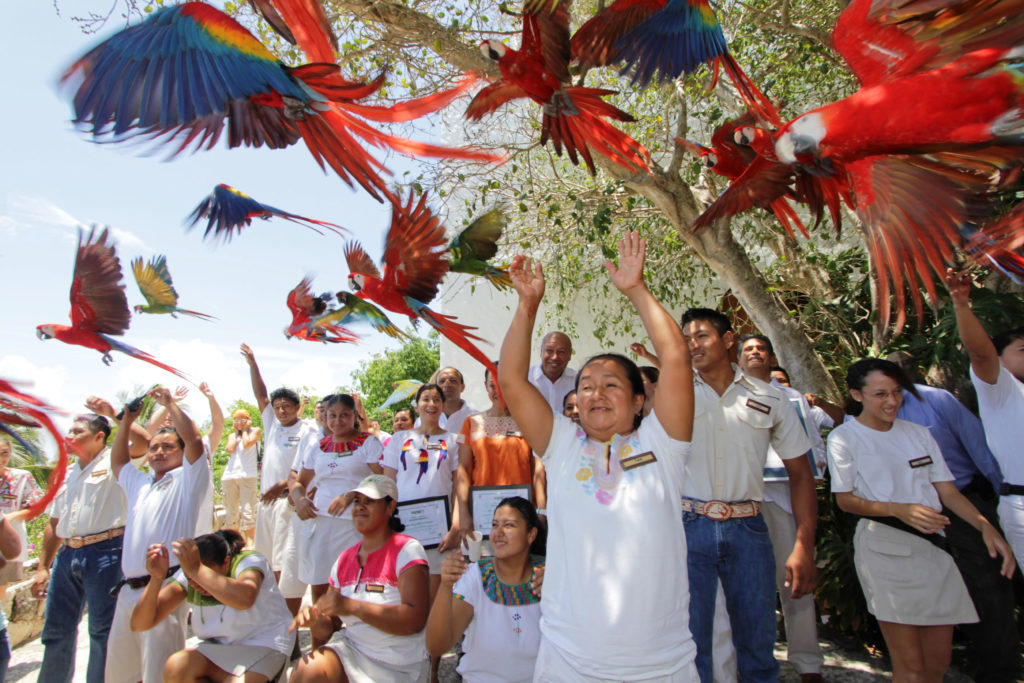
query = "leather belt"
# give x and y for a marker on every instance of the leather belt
(82, 541)
(138, 582)
(1010, 490)
(720, 511)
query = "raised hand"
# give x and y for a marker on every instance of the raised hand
(205, 389)
(528, 280)
(100, 406)
(180, 393)
(247, 353)
(187, 552)
(630, 271)
(162, 396)
(959, 286)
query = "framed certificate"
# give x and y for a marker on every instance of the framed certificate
(483, 500)
(426, 519)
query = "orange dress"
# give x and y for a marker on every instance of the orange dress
(501, 455)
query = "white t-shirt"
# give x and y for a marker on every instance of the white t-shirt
(160, 511)
(280, 446)
(616, 592)
(503, 638)
(1001, 406)
(553, 392)
(895, 466)
(265, 624)
(376, 582)
(340, 471)
(425, 465)
(243, 462)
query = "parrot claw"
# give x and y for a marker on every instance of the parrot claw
(107, 358)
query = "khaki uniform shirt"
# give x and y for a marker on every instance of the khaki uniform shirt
(90, 500)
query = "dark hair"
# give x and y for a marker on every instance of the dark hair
(565, 399)
(636, 380)
(428, 387)
(95, 423)
(1007, 337)
(532, 519)
(779, 368)
(651, 373)
(412, 413)
(394, 521)
(171, 430)
(462, 380)
(286, 394)
(857, 376)
(760, 337)
(718, 320)
(487, 371)
(345, 400)
(220, 545)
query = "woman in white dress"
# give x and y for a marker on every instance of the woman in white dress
(891, 473)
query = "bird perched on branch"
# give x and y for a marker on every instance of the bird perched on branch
(155, 283)
(99, 307)
(187, 71)
(573, 117)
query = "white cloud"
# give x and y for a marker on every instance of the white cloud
(26, 212)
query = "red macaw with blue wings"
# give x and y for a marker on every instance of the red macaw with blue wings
(188, 71)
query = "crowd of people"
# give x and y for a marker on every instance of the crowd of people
(656, 515)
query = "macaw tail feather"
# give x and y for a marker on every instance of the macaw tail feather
(194, 314)
(498, 277)
(29, 448)
(996, 245)
(26, 405)
(787, 215)
(575, 123)
(408, 110)
(142, 355)
(8, 389)
(756, 101)
(310, 26)
(454, 331)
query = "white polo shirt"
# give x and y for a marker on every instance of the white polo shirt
(89, 500)
(160, 511)
(731, 436)
(553, 392)
(1001, 406)
(280, 444)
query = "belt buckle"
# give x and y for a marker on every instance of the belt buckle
(717, 510)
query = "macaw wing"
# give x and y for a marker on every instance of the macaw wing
(414, 263)
(359, 261)
(154, 281)
(912, 210)
(300, 300)
(764, 181)
(594, 42)
(358, 309)
(404, 389)
(492, 97)
(182, 71)
(228, 211)
(307, 24)
(98, 300)
(273, 17)
(546, 35)
(480, 238)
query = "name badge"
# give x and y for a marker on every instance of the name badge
(343, 454)
(512, 433)
(374, 588)
(638, 460)
(759, 407)
(98, 473)
(432, 446)
(923, 461)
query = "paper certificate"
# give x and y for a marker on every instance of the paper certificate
(426, 519)
(483, 500)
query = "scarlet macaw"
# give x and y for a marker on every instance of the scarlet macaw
(228, 211)
(155, 283)
(188, 69)
(574, 117)
(472, 248)
(414, 266)
(303, 23)
(304, 308)
(99, 307)
(29, 408)
(664, 39)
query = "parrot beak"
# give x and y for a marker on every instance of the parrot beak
(42, 335)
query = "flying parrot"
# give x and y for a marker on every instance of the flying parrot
(414, 266)
(573, 117)
(934, 76)
(99, 307)
(186, 70)
(155, 283)
(472, 248)
(356, 310)
(663, 39)
(228, 211)
(29, 408)
(304, 307)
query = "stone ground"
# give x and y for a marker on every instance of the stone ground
(841, 666)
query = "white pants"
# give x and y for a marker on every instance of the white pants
(552, 667)
(1011, 518)
(272, 528)
(804, 652)
(289, 583)
(132, 657)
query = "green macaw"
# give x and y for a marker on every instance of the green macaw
(155, 283)
(477, 244)
(356, 309)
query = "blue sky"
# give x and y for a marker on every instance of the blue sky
(52, 179)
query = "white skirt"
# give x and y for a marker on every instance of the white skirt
(239, 660)
(907, 580)
(363, 669)
(321, 541)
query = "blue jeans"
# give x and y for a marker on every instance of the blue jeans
(739, 552)
(5, 654)
(79, 577)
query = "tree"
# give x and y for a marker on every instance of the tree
(417, 359)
